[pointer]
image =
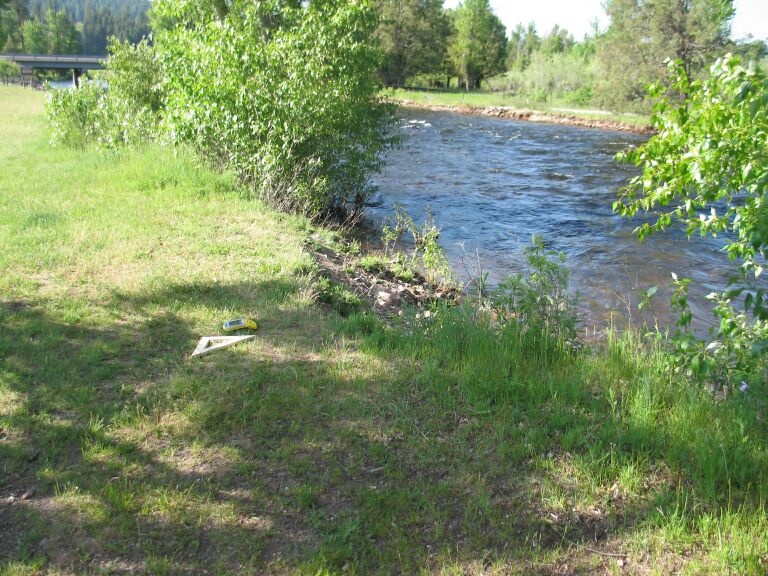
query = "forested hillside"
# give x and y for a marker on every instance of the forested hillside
(61, 26)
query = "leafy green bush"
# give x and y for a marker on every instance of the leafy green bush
(539, 298)
(8, 68)
(122, 112)
(707, 170)
(568, 76)
(134, 75)
(282, 92)
(76, 117)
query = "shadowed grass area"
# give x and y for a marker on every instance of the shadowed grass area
(326, 445)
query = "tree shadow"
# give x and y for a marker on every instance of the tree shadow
(299, 452)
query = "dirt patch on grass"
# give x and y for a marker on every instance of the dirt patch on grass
(387, 295)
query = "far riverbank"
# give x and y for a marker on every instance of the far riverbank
(440, 102)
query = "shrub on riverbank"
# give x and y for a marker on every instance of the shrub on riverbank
(706, 170)
(123, 111)
(283, 95)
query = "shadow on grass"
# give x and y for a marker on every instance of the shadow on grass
(300, 452)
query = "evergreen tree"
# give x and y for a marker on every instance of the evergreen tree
(97, 20)
(644, 33)
(98, 25)
(13, 14)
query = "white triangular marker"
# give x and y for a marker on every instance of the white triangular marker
(211, 343)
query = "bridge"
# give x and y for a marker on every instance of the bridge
(78, 63)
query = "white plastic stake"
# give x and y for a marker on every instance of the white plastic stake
(211, 343)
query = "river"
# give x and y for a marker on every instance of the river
(492, 184)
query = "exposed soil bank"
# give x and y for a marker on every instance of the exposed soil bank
(530, 115)
(387, 295)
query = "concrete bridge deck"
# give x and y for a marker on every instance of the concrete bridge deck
(57, 61)
(78, 63)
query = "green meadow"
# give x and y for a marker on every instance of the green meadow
(329, 444)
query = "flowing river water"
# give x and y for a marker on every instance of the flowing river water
(492, 184)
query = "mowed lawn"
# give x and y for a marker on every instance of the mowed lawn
(326, 445)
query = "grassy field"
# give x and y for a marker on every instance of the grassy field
(328, 444)
(496, 99)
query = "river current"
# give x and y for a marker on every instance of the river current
(493, 183)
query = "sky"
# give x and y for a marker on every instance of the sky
(577, 15)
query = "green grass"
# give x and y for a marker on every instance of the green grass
(328, 444)
(479, 99)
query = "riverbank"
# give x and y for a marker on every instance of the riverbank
(487, 105)
(332, 443)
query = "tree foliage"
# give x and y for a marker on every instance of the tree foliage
(13, 14)
(123, 114)
(413, 35)
(70, 25)
(283, 92)
(55, 34)
(707, 166)
(479, 47)
(644, 33)
(707, 170)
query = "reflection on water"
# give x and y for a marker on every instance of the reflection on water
(61, 84)
(494, 183)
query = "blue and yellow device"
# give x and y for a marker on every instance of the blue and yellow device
(240, 324)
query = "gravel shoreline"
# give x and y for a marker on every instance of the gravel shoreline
(531, 116)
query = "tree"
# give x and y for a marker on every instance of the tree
(749, 49)
(98, 25)
(643, 33)
(12, 18)
(557, 41)
(479, 47)
(515, 55)
(35, 37)
(413, 35)
(63, 37)
(707, 167)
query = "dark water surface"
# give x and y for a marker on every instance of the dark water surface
(493, 183)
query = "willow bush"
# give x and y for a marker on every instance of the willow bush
(121, 110)
(283, 92)
(706, 170)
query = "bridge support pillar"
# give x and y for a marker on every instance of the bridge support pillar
(77, 73)
(27, 76)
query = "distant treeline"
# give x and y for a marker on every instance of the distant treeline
(468, 47)
(69, 26)
(424, 44)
